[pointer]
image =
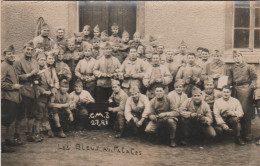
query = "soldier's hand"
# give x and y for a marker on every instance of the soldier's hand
(187, 81)
(230, 113)
(206, 120)
(66, 105)
(71, 119)
(193, 115)
(216, 75)
(139, 123)
(162, 115)
(110, 109)
(185, 114)
(252, 86)
(126, 75)
(153, 117)
(225, 127)
(17, 86)
(135, 119)
(35, 71)
(47, 92)
(197, 80)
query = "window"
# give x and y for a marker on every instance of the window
(246, 28)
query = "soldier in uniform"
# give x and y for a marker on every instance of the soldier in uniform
(190, 73)
(198, 54)
(157, 74)
(96, 32)
(153, 43)
(116, 53)
(10, 98)
(228, 112)
(96, 54)
(84, 71)
(48, 43)
(141, 51)
(133, 70)
(114, 37)
(181, 56)
(86, 34)
(105, 68)
(163, 113)
(160, 49)
(103, 40)
(136, 40)
(62, 69)
(196, 113)
(137, 109)
(243, 78)
(117, 103)
(204, 58)
(125, 42)
(60, 38)
(27, 69)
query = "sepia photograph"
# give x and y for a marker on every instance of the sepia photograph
(140, 83)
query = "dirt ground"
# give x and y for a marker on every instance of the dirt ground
(99, 147)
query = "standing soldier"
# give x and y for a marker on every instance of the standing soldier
(96, 32)
(162, 113)
(86, 33)
(10, 98)
(27, 69)
(125, 42)
(60, 38)
(156, 75)
(153, 43)
(117, 103)
(181, 56)
(114, 37)
(105, 68)
(48, 43)
(190, 73)
(133, 70)
(160, 49)
(84, 71)
(243, 78)
(204, 58)
(137, 109)
(141, 51)
(136, 40)
(116, 53)
(198, 54)
(228, 112)
(62, 69)
(103, 40)
(96, 54)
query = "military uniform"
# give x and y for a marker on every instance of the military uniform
(211, 97)
(173, 67)
(63, 70)
(177, 99)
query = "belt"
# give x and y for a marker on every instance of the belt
(240, 83)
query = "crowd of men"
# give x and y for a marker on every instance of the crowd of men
(146, 86)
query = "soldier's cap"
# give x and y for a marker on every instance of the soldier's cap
(104, 32)
(179, 82)
(64, 83)
(108, 45)
(78, 34)
(115, 82)
(95, 39)
(237, 53)
(41, 56)
(39, 45)
(137, 34)
(134, 89)
(208, 80)
(196, 90)
(9, 49)
(114, 25)
(183, 43)
(28, 44)
(205, 50)
(60, 28)
(125, 33)
(45, 26)
(96, 28)
(50, 53)
(86, 27)
(78, 82)
(152, 38)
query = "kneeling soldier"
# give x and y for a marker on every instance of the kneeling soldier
(162, 112)
(117, 103)
(196, 112)
(228, 112)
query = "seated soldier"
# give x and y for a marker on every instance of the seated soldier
(136, 109)
(80, 98)
(156, 75)
(228, 112)
(162, 113)
(196, 113)
(117, 103)
(58, 105)
(62, 69)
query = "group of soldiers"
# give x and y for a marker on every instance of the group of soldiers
(145, 86)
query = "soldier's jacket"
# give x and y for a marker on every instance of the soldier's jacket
(124, 47)
(202, 63)
(137, 68)
(203, 109)
(242, 74)
(177, 99)
(61, 42)
(76, 98)
(162, 58)
(72, 58)
(86, 68)
(164, 106)
(63, 70)
(86, 39)
(120, 56)
(134, 110)
(173, 67)
(9, 77)
(48, 43)
(221, 108)
(120, 100)
(107, 66)
(189, 72)
(81, 45)
(25, 66)
(181, 58)
(96, 53)
(134, 43)
(212, 97)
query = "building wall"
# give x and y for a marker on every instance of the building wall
(197, 23)
(19, 20)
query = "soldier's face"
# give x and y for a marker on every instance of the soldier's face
(28, 51)
(87, 53)
(209, 86)
(71, 46)
(114, 30)
(140, 49)
(169, 55)
(156, 59)
(96, 33)
(197, 97)
(226, 93)
(132, 54)
(160, 49)
(204, 55)
(108, 51)
(96, 43)
(135, 96)
(183, 49)
(104, 37)
(78, 89)
(9, 56)
(45, 32)
(116, 88)
(191, 59)
(153, 43)
(179, 89)
(60, 33)
(125, 38)
(86, 31)
(148, 55)
(238, 58)
(78, 39)
(42, 62)
(159, 92)
(60, 55)
(116, 47)
(216, 57)
(137, 38)
(63, 89)
(50, 60)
